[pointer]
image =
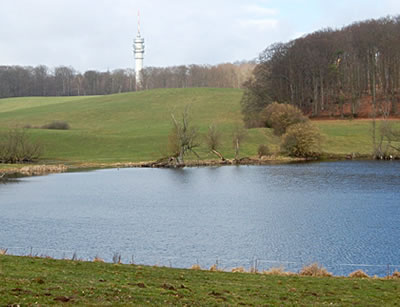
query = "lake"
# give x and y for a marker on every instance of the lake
(344, 215)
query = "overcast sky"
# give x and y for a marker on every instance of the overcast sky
(98, 34)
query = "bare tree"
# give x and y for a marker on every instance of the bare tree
(184, 137)
(213, 139)
(238, 136)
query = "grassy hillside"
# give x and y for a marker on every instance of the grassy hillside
(124, 127)
(29, 281)
(135, 126)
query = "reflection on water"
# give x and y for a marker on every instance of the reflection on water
(336, 213)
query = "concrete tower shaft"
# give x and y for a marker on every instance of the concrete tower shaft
(138, 50)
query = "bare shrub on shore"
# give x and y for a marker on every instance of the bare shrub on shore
(183, 137)
(213, 140)
(314, 269)
(3, 251)
(359, 274)
(263, 150)
(16, 146)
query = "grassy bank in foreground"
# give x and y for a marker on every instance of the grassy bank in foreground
(133, 127)
(25, 281)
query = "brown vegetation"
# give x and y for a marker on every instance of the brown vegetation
(358, 274)
(315, 270)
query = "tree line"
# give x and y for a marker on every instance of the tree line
(325, 71)
(18, 81)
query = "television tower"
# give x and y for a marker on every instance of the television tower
(138, 50)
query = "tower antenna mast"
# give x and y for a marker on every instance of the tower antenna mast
(138, 50)
(138, 18)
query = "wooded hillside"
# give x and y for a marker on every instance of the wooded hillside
(342, 72)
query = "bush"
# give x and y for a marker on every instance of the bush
(263, 150)
(302, 140)
(280, 116)
(17, 147)
(57, 124)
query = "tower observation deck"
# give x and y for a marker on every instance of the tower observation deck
(138, 50)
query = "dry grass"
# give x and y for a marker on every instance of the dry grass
(214, 268)
(3, 251)
(98, 259)
(315, 269)
(280, 271)
(395, 275)
(239, 270)
(359, 274)
(195, 267)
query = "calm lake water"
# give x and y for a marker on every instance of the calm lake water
(344, 215)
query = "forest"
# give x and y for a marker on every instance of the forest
(349, 72)
(18, 81)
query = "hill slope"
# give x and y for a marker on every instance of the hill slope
(124, 127)
(135, 126)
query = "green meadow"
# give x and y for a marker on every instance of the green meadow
(26, 281)
(133, 127)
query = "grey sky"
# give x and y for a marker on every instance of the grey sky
(98, 34)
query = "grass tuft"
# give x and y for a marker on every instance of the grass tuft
(280, 271)
(239, 270)
(98, 259)
(196, 267)
(315, 269)
(396, 275)
(359, 274)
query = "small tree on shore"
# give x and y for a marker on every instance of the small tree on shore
(183, 137)
(213, 139)
(238, 136)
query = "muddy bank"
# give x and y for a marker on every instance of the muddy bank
(33, 170)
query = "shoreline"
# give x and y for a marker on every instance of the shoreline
(46, 169)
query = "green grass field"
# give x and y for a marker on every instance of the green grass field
(135, 126)
(26, 281)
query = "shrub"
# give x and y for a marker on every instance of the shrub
(57, 125)
(263, 150)
(302, 140)
(17, 147)
(315, 270)
(358, 274)
(280, 116)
